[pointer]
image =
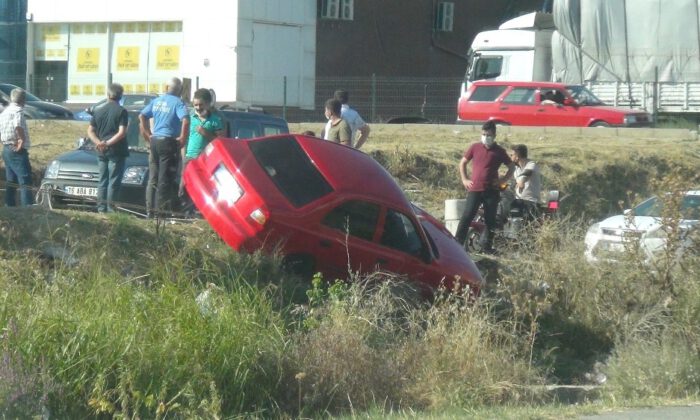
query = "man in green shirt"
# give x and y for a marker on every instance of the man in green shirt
(205, 126)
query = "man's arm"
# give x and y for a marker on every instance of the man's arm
(364, 134)
(21, 135)
(508, 175)
(184, 132)
(119, 136)
(145, 128)
(345, 134)
(463, 173)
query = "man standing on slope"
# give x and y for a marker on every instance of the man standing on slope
(483, 184)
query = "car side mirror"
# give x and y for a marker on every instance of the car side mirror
(626, 211)
(569, 102)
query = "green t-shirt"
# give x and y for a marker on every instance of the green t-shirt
(196, 142)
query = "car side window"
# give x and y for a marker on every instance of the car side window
(401, 234)
(520, 95)
(272, 130)
(356, 218)
(246, 130)
(487, 93)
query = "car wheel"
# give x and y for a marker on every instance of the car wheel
(600, 124)
(301, 265)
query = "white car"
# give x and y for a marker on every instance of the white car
(607, 239)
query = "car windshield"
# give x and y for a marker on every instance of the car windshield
(653, 207)
(583, 96)
(291, 170)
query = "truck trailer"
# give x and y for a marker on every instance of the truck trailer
(640, 54)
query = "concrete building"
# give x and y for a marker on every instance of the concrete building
(248, 51)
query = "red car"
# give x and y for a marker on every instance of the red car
(543, 104)
(327, 207)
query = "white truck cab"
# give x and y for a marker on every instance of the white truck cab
(519, 50)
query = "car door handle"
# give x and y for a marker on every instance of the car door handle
(325, 243)
(503, 108)
(541, 110)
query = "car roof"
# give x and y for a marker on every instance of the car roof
(551, 85)
(258, 116)
(352, 171)
(349, 171)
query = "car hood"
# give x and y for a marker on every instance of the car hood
(452, 257)
(638, 223)
(86, 159)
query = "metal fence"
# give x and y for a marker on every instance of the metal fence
(385, 99)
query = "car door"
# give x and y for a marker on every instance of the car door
(555, 111)
(518, 107)
(404, 247)
(345, 238)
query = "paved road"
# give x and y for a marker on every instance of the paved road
(687, 412)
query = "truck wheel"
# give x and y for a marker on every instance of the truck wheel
(301, 265)
(600, 124)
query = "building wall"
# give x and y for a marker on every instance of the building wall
(216, 46)
(396, 37)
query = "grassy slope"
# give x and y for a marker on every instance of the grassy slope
(132, 256)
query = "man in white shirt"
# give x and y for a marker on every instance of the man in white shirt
(528, 182)
(15, 146)
(353, 118)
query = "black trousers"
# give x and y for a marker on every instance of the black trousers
(165, 158)
(475, 199)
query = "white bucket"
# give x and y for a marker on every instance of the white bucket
(453, 212)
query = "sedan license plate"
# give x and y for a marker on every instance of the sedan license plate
(82, 191)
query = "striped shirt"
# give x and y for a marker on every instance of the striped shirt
(11, 118)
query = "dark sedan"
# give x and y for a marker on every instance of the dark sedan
(36, 108)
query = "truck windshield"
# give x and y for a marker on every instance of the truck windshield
(583, 96)
(486, 67)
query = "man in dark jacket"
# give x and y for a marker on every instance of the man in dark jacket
(108, 131)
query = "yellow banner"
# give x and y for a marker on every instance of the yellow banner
(168, 57)
(51, 33)
(128, 58)
(88, 59)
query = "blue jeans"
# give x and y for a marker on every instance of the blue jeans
(111, 170)
(18, 171)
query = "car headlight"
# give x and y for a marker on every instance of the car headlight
(227, 188)
(52, 169)
(134, 175)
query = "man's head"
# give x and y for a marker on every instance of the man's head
(342, 95)
(518, 152)
(18, 96)
(115, 91)
(488, 133)
(175, 86)
(201, 102)
(333, 108)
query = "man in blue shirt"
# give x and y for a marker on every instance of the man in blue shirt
(171, 126)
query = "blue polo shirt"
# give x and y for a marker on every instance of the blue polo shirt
(167, 112)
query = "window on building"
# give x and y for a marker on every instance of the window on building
(444, 18)
(337, 9)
